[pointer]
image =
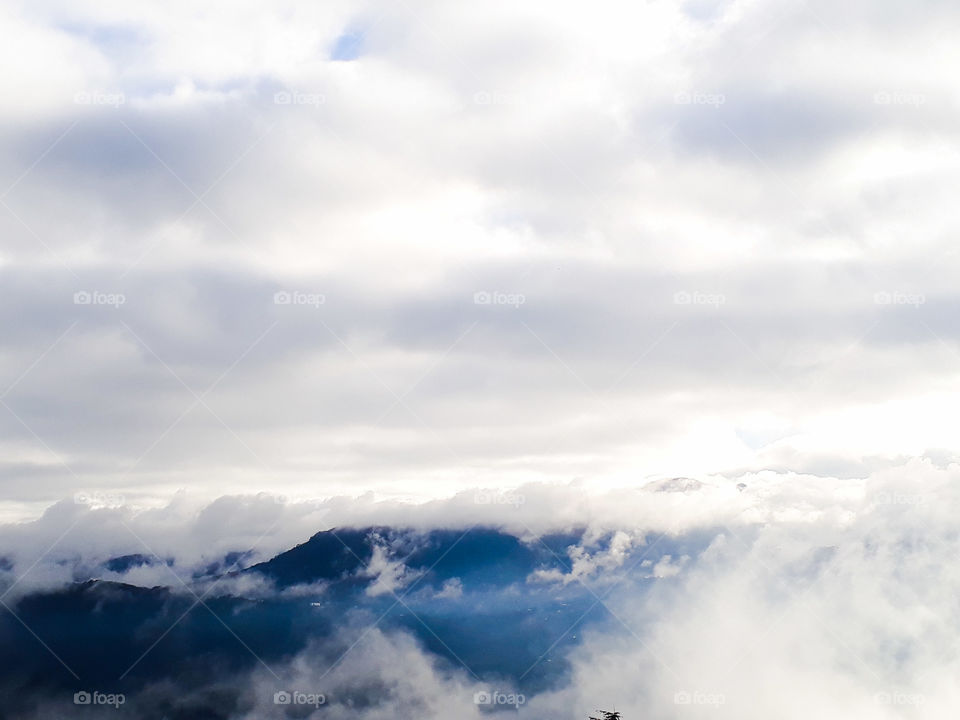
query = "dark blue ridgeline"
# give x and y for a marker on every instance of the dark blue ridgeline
(490, 618)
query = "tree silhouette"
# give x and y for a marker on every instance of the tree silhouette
(606, 715)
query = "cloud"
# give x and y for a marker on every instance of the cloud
(813, 597)
(190, 537)
(388, 575)
(583, 564)
(600, 182)
(787, 619)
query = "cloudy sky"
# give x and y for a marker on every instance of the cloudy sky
(320, 249)
(674, 277)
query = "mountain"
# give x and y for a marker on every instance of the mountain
(471, 598)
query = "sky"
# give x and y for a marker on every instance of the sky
(676, 278)
(405, 251)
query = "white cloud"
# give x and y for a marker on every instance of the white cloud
(193, 535)
(388, 575)
(813, 595)
(489, 150)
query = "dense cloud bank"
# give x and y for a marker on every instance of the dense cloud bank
(419, 249)
(811, 598)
